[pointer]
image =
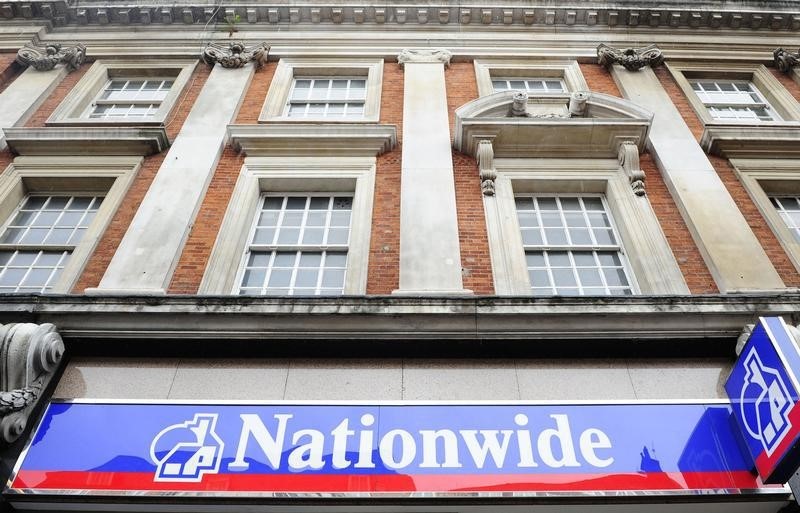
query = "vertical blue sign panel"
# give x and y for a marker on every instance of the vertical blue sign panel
(764, 392)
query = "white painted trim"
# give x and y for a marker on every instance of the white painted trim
(773, 91)
(653, 266)
(290, 67)
(73, 110)
(111, 176)
(293, 174)
(763, 176)
(567, 70)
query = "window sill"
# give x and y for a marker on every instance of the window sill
(312, 139)
(743, 140)
(134, 140)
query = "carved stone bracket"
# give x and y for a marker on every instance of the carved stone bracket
(424, 56)
(486, 169)
(45, 58)
(29, 355)
(629, 160)
(235, 55)
(632, 59)
(784, 60)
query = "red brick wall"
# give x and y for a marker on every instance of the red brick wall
(254, 98)
(110, 240)
(695, 272)
(384, 252)
(59, 93)
(476, 264)
(9, 70)
(754, 219)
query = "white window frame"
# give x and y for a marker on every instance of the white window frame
(286, 175)
(107, 176)
(288, 69)
(543, 91)
(779, 99)
(567, 70)
(652, 266)
(77, 105)
(764, 177)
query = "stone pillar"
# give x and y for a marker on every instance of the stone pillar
(731, 251)
(47, 67)
(430, 256)
(150, 249)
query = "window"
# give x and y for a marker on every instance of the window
(53, 211)
(130, 92)
(334, 98)
(788, 207)
(536, 77)
(733, 100)
(734, 93)
(279, 238)
(298, 246)
(39, 239)
(332, 90)
(571, 247)
(130, 98)
(530, 85)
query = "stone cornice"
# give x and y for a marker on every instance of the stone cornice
(87, 140)
(158, 318)
(672, 15)
(313, 139)
(779, 140)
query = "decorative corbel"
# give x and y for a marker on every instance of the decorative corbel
(577, 103)
(519, 105)
(486, 169)
(629, 160)
(235, 55)
(45, 58)
(424, 55)
(632, 59)
(784, 60)
(29, 355)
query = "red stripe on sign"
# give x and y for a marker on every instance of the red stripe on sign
(140, 481)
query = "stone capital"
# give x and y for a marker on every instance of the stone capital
(424, 56)
(632, 59)
(785, 60)
(235, 55)
(45, 57)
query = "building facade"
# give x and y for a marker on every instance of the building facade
(408, 203)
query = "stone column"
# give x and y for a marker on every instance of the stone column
(47, 67)
(731, 251)
(430, 256)
(152, 246)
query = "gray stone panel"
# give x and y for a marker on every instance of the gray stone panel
(230, 379)
(459, 380)
(680, 379)
(372, 380)
(107, 378)
(570, 380)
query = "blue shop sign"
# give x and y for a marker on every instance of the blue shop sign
(339, 449)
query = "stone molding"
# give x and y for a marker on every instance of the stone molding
(537, 13)
(235, 55)
(784, 60)
(310, 139)
(752, 141)
(134, 141)
(632, 59)
(486, 168)
(29, 356)
(46, 57)
(424, 56)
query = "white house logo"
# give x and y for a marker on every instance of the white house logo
(186, 452)
(765, 403)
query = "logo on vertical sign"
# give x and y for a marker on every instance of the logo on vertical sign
(766, 415)
(188, 451)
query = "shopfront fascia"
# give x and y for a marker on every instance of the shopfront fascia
(436, 454)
